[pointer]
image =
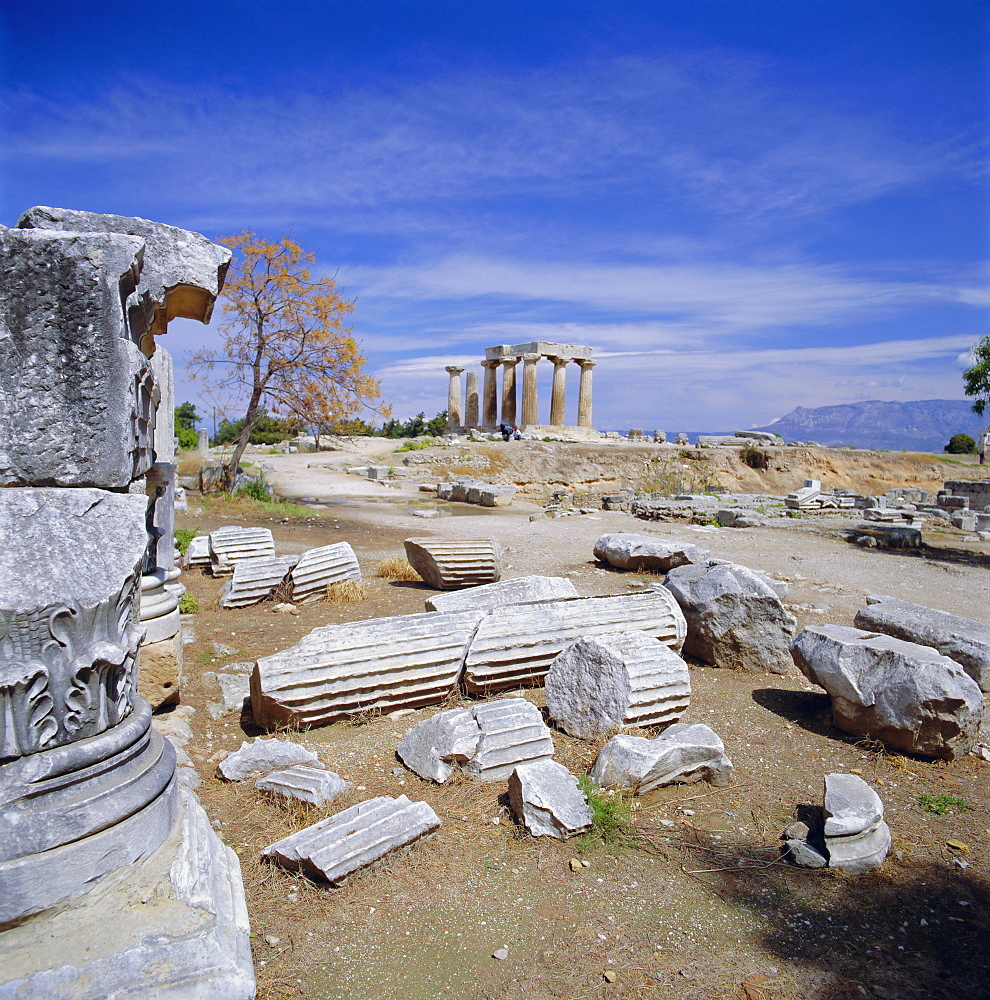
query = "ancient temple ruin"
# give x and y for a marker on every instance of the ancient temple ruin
(111, 878)
(465, 411)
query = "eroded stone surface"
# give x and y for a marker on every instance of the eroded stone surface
(230, 544)
(434, 746)
(522, 590)
(318, 568)
(961, 639)
(512, 733)
(646, 552)
(909, 697)
(601, 683)
(253, 580)
(681, 754)
(546, 799)
(734, 616)
(450, 564)
(314, 785)
(264, 756)
(335, 848)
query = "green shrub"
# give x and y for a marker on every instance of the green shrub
(188, 605)
(941, 804)
(255, 490)
(610, 814)
(183, 536)
(960, 444)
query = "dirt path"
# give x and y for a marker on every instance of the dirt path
(695, 904)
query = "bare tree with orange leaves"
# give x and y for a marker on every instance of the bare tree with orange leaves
(285, 345)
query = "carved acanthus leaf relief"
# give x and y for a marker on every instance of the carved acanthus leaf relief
(66, 673)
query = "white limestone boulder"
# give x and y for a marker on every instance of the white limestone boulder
(450, 564)
(433, 747)
(546, 799)
(735, 618)
(961, 639)
(313, 785)
(907, 696)
(682, 754)
(522, 590)
(604, 682)
(646, 552)
(262, 757)
(318, 568)
(335, 848)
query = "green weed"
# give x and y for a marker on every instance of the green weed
(611, 822)
(183, 536)
(942, 804)
(188, 605)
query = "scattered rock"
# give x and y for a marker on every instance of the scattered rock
(681, 754)
(734, 615)
(337, 847)
(601, 683)
(314, 785)
(546, 799)
(644, 552)
(909, 697)
(262, 757)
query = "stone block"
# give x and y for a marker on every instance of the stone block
(682, 754)
(961, 639)
(378, 665)
(909, 697)
(253, 580)
(734, 616)
(234, 689)
(160, 671)
(546, 799)
(312, 785)
(455, 563)
(522, 590)
(434, 747)
(231, 544)
(198, 552)
(318, 568)
(262, 757)
(516, 644)
(645, 552)
(337, 847)
(604, 682)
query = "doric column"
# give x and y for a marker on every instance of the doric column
(471, 400)
(490, 414)
(509, 390)
(530, 409)
(557, 396)
(454, 421)
(584, 393)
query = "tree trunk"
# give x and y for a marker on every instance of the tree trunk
(250, 418)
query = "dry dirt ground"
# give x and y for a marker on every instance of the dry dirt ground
(695, 901)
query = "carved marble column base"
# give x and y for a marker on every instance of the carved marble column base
(73, 815)
(171, 927)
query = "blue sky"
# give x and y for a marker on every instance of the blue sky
(742, 205)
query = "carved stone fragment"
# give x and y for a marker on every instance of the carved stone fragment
(545, 798)
(314, 785)
(263, 757)
(449, 564)
(601, 683)
(337, 847)
(253, 580)
(318, 568)
(645, 552)
(512, 733)
(434, 746)
(231, 544)
(516, 644)
(522, 590)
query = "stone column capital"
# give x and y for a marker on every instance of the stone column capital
(509, 362)
(531, 358)
(490, 363)
(454, 369)
(585, 362)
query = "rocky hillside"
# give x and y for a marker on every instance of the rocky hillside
(924, 425)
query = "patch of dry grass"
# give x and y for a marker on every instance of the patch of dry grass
(346, 592)
(396, 569)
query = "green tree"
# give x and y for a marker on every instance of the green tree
(267, 429)
(285, 345)
(185, 418)
(976, 378)
(961, 444)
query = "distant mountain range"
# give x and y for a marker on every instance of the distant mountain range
(924, 425)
